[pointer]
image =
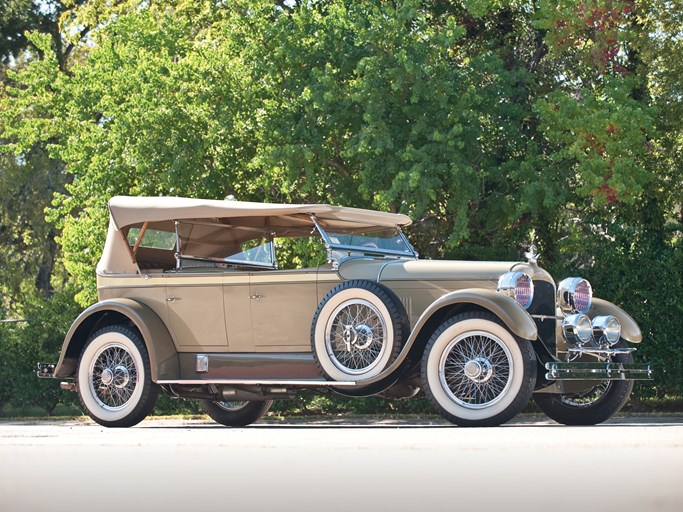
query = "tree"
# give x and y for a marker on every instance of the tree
(493, 124)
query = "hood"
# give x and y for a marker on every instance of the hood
(429, 270)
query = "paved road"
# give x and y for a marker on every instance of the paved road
(528, 465)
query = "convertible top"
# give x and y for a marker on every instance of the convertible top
(127, 211)
(210, 218)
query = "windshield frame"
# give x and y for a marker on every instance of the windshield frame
(371, 251)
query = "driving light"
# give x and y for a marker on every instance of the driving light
(606, 329)
(577, 329)
(519, 286)
(574, 295)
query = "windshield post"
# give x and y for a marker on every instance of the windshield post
(178, 265)
(405, 240)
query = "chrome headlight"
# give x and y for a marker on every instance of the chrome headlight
(606, 329)
(519, 286)
(574, 295)
(577, 329)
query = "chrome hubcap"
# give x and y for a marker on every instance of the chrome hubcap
(359, 337)
(478, 369)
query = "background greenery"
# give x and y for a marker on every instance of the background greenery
(493, 123)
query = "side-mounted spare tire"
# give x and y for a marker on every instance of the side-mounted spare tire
(358, 330)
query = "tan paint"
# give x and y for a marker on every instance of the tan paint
(162, 351)
(422, 270)
(196, 312)
(281, 314)
(629, 328)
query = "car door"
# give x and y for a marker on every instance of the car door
(282, 306)
(196, 312)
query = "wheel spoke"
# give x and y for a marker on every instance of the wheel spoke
(475, 369)
(357, 349)
(113, 377)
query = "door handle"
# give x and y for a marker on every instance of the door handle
(170, 299)
(256, 296)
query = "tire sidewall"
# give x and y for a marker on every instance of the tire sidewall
(99, 342)
(456, 412)
(323, 319)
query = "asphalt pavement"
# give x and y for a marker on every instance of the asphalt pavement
(627, 464)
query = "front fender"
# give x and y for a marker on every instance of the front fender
(629, 328)
(510, 313)
(162, 352)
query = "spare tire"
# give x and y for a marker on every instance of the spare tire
(358, 331)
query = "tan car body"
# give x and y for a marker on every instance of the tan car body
(189, 291)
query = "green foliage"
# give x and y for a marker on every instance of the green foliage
(39, 338)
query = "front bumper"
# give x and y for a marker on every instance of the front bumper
(598, 371)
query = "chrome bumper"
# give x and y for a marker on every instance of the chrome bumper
(598, 371)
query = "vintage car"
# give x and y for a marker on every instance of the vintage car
(192, 302)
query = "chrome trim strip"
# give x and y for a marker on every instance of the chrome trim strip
(254, 382)
(600, 351)
(546, 317)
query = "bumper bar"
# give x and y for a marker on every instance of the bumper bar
(598, 371)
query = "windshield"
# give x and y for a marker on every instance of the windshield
(383, 242)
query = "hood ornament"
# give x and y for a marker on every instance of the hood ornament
(532, 255)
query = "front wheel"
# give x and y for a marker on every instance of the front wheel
(236, 413)
(596, 404)
(114, 378)
(476, 372)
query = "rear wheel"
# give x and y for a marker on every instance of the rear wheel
(476, 372)
(597, 403)
(236, 413)
(114, 378)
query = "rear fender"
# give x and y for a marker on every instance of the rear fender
(160, 347)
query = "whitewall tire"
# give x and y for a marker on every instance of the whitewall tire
(357, 331)
(476, 372)
(114, 377)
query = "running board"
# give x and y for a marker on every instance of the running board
(310, 383)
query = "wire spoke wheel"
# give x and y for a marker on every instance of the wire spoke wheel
(355, 336)
(476, 372)
(476, 369)
(113, 376)
(588, 398)
(357, 331)
(232, 406)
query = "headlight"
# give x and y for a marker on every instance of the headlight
(519, 286)
(606, 329)
(574, 295)
(577, 329)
